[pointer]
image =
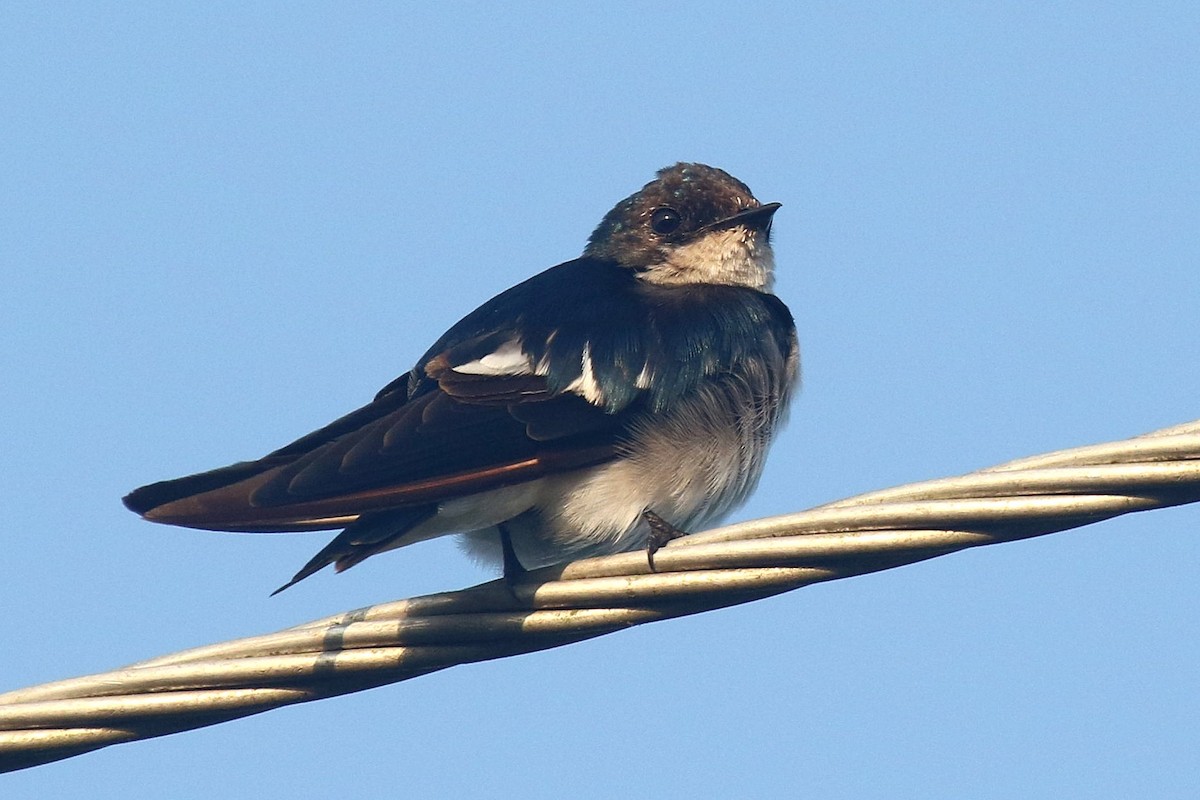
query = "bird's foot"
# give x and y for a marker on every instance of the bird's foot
(661, 532)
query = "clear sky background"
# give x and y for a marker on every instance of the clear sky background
(222, 225)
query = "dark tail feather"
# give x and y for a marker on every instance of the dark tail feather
(147, 498)
(371, 534)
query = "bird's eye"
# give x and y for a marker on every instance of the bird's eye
(665, 220)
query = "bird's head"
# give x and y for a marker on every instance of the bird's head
(691, 224)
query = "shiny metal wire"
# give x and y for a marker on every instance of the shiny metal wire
(550, 607)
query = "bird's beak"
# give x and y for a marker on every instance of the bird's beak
(757, 218)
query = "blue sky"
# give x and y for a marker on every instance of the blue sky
(226, 224)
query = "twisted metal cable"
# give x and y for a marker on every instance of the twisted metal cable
(558, 605)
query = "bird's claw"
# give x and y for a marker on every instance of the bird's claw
(661, 532)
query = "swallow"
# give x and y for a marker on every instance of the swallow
(608, 404)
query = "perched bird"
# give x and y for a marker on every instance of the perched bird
(607, 404)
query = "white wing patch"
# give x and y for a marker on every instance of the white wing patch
(507, 359)
(585, 384)
(642, 381)
(511, 359)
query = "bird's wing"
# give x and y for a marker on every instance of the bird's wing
(478, 412)
(435, 445)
